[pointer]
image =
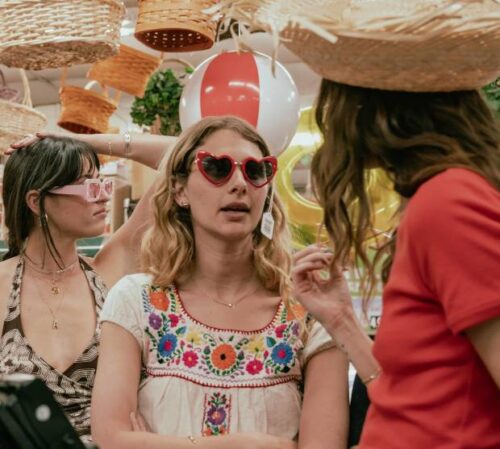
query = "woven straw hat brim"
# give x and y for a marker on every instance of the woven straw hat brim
(405, 45)
(456, 62)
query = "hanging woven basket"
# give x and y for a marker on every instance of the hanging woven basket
(176, 25)
(41, 34)
(128, 71)
(6, 92)
(84, 111)
(18, 120)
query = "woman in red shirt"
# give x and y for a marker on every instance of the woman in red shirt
(434, 374)
(436, 369)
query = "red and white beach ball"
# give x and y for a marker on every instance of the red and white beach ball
(243, 84)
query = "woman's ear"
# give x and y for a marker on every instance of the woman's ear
(33, 201)
(180, 195)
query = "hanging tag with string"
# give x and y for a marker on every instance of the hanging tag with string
(267, 223)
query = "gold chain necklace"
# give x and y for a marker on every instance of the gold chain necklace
(232, 305)
(53, 313)
(54, 275)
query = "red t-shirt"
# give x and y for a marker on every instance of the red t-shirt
(435, 392)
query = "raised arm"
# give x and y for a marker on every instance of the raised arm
(120, 254)
(329, 301)
(146, 149)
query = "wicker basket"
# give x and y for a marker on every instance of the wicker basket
(6, 92)
(17, 120)
(40, 34)
(128, 71)
(176, 25)
(84, 111)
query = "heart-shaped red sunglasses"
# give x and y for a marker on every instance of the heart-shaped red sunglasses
(219, 169)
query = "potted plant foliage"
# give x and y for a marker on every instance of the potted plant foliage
(159, 107)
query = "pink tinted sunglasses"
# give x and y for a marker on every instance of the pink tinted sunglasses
(90, 189)
(218, 170)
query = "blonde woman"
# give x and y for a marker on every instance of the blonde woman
(206, 343)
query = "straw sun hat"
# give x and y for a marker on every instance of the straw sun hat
(407, 45)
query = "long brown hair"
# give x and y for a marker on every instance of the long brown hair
(412, 136)
(48, 163)
(168, 250)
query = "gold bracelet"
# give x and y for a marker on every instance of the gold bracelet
(371, 377)
(192, 439)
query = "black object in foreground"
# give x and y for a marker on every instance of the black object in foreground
(30, 418)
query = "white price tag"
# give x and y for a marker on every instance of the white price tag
(267, 225)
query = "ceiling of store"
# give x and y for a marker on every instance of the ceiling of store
(45, 83)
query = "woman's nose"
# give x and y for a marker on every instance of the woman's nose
(238, 179)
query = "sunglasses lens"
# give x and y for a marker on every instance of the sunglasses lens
(108, 187)
(93, 190)
(259, 172)
(216, 169)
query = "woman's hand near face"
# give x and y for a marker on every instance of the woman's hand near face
(326, 298)
(329, 301)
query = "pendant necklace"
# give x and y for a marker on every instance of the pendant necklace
(53, 276)
(54, 280)
(232, 305)
(53, 312)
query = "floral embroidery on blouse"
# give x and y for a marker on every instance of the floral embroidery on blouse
(180, 346)
(216, 417)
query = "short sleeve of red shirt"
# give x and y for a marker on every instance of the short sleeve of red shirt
(454, 225)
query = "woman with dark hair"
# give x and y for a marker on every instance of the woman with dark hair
(50, 297)
(434, 375)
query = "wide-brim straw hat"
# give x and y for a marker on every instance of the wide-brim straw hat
(405, 45)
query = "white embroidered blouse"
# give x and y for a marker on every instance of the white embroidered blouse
(199, 380)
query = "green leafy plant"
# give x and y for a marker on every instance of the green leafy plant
(492, 93)
(161, 100)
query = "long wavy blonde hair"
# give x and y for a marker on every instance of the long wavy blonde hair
(168, 249)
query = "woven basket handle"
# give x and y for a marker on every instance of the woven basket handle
(180, 61)
(105, 91)
(26, 87)
(90, 85)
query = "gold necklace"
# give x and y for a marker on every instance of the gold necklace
(232, 305)
(53, 313)
(54, 275)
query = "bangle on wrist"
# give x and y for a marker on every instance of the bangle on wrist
(371, 377)
(128, 147)
(192, 439)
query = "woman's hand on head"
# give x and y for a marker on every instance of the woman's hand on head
(321, 287)
(27, 140)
